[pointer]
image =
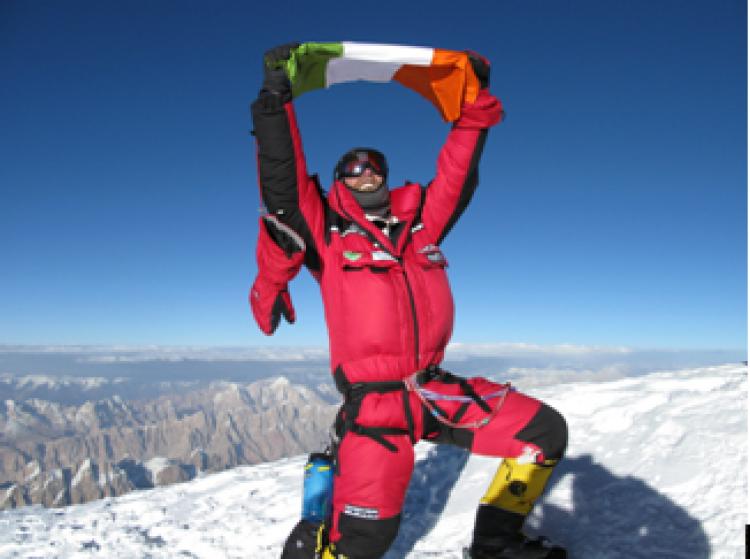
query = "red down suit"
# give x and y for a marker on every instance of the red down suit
(389, 312)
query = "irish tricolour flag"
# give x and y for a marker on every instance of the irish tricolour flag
(444, 77)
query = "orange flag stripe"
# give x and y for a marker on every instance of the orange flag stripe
(446, 83)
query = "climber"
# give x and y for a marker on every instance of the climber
(376, 253)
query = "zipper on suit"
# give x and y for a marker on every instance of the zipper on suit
(413, 306)
(409, 291)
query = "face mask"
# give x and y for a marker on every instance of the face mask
(377, 202)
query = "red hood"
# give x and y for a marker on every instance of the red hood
(405, 201)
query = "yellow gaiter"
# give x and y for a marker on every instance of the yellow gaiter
(516, 486)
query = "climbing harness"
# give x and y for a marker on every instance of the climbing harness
(354, 394)
(430, 397)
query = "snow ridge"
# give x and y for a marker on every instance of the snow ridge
(655, 468)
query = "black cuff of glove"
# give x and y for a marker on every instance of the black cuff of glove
(277, 83)
(481, 69)
(283, 97)
(283, 240)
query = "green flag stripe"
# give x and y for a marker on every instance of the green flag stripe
(307, 63)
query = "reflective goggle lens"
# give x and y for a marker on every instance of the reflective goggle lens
(357, 168)
(364, 160)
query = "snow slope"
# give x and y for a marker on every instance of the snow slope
(656, 468)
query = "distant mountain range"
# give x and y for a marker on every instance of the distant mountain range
(57, 454)
(98, 421)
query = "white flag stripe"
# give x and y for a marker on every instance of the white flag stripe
(340, 70)
(396, 54)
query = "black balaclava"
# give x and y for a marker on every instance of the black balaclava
(377, 202)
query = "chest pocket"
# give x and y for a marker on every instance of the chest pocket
(366, 290)
(427, 252)
(356, 252)
(374, 260)
(430, 256)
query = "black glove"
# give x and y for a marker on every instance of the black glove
(279, 54)
(275, 78)
(481, 67)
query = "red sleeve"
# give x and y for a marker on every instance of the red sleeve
(287, 190)
(269, 296)
(457, 168)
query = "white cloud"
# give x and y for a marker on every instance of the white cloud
(502, 349)
(139, 354)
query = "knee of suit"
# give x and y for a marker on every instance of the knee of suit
(548, 431)
(364, 538)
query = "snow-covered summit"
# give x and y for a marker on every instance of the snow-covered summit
(656, 468)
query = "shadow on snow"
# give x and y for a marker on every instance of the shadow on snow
(612, 516)
(618, 516)
(431, 484)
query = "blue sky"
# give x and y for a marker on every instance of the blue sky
(612, 206)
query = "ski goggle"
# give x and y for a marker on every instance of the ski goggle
(355, 163)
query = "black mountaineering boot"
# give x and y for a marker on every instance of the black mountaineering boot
(497, 535)
(524, 548)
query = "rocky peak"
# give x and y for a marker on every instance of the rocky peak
(57, 454)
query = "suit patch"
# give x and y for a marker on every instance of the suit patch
(362, 512)
(380, 255)
(435, 257)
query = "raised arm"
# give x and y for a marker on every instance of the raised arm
(457, 168)
(291, 231)
(287, 191)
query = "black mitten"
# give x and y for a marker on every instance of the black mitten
(275, 78)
